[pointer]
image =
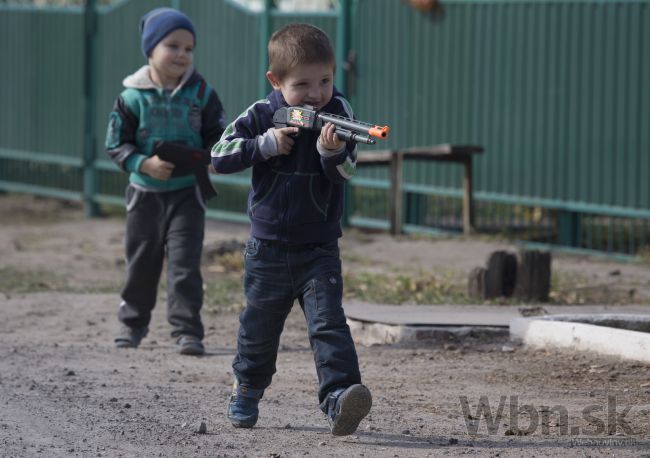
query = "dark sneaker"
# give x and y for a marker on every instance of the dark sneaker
(346, 408)
(190, 345)
(130, 337)
(242, 409)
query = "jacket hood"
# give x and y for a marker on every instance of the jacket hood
(141, 79)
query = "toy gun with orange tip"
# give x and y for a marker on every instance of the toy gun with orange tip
(306, 117)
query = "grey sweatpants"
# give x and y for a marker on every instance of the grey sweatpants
(160, 224)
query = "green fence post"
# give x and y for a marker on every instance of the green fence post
(265, 34)
(90, 102)
(342, 49)
(342, 45)
(569, 228)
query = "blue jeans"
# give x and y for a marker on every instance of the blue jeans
(275, 275)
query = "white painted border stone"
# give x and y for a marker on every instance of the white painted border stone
(544, 333)
(368, 334)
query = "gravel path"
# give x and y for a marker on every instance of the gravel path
(66, 391)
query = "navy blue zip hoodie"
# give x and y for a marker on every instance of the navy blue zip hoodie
(294, 198)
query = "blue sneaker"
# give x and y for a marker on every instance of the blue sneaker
(346, 407)
(242, 409)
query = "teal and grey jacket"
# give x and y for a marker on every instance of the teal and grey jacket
(145, 114)
(294, 198)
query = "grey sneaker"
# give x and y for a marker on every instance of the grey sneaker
(190, 345)
(130, 337)
(346, 408)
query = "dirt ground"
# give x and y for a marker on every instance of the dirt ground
(66, 391)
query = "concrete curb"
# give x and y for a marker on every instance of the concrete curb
(627, 321)
(559, 332)
(368, 333)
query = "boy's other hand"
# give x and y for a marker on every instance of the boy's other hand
(328, 138)
(283, 139)
(157, 168)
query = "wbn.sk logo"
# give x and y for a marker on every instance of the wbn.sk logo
(600, 420)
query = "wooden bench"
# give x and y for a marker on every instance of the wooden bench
(461, 154)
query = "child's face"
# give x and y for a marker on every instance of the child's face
(306, 84)
(173, 55)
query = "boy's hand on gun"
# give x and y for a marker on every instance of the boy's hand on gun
(157, 168)
(283, 139)
(328, 138)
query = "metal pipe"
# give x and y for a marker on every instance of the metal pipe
(265, 34)
(342, 45)
(90, 101)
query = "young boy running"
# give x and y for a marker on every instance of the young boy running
(295, 207)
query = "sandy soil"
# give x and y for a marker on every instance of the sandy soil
(66, 391)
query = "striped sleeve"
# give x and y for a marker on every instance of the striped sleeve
(238, 147)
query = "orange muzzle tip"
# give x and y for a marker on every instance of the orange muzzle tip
(379, 131)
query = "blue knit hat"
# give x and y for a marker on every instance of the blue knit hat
(158, 23)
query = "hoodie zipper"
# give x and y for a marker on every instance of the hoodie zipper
(285, 206)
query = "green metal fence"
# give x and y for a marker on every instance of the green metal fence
(40, 142)
(556, 92)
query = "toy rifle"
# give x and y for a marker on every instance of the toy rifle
(188, 160)
(306, 117)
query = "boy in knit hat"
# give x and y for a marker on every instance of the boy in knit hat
(164, 101)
